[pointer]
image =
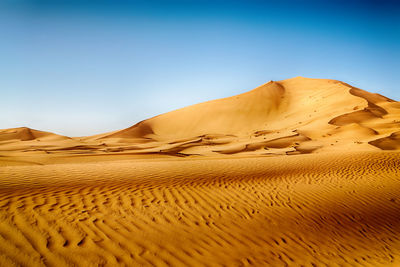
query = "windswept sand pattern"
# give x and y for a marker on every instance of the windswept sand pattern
(313, 210)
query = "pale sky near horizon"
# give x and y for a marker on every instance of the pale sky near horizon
(86, 67)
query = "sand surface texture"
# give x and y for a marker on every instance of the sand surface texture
(300, 172)
(333, 209)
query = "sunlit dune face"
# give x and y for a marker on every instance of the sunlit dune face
(294, 116)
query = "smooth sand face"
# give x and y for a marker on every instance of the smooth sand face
(296, 172)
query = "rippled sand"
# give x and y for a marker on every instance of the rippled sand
(333, 209)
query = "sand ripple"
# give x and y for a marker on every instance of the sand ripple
(310, 210)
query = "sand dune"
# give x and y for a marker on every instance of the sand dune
(298, 115)
(27, 134)
(391, 142)
(299, 172)
(309, 107)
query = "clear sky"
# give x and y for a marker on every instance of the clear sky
(87, 67)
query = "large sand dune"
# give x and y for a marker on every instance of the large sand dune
(299, 172)
(294, 116)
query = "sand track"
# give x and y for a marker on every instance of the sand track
(323, 209)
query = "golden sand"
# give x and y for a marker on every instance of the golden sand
(296, 172)
(332, 208)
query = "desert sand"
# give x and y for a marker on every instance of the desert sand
(299, 172)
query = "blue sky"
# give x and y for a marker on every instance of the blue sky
(87, 67)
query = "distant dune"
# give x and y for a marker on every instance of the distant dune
(299, 172)
(294, 116)
(26, 134)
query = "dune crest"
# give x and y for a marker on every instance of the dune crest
(293, 116)
(318, 109)
(27, 134)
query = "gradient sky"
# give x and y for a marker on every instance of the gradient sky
(87, 67)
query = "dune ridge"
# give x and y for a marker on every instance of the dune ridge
(27, 134)
(293, 116)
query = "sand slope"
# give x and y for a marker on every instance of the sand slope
(330, 209)
(325, 113)
(27, 134)
(294, 116)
